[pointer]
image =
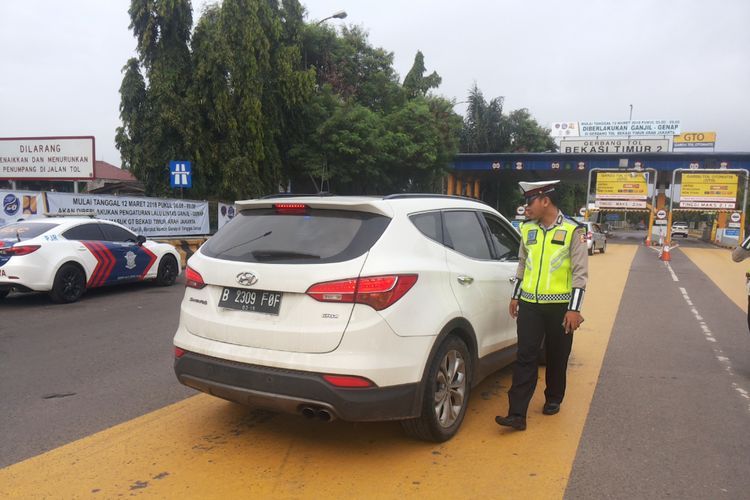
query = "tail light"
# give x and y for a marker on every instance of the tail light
(290, 208)
(378, 292)
(19, 250)
(178, 353)
(589, 235)
(193, 279)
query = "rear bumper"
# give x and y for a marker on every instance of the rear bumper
(290, 391)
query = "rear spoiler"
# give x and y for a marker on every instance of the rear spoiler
(354, 204)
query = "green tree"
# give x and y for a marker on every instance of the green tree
(152, 99)
(415, 83)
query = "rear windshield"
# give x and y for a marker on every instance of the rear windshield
(24, 230)
(313, 237)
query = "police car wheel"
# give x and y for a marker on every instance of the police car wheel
(69, 284)
(4, 293)
(446, 393)
(167, 273)
(591, 250)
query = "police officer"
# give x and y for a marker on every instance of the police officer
(738, 255)
(550, 283)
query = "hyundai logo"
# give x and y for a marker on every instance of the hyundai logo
(247, 279)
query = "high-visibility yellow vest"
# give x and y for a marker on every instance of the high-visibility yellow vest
(547, 278)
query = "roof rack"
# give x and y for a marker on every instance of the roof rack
(91, 214)
(295, 195)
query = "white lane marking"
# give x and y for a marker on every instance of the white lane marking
(671, 271)
(718, 353)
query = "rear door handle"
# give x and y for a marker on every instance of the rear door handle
(465, 280)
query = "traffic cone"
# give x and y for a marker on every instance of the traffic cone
(665, 254)
(648, 241)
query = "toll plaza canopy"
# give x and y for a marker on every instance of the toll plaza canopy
(473, 171)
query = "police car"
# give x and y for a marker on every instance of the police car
(65, 256)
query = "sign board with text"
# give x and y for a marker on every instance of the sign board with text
(568, 146)
(632, 128)
(708, 190)
(621, 190)
(695, 140)
(47, 158)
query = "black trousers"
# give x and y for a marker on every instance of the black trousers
(535, 323)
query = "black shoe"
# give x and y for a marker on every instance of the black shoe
(515, 421)
(551, 408)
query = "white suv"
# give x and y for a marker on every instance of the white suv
(680, 229)
(361, 308)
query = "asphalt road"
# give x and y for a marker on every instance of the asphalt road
(670, 413)
(69, 370)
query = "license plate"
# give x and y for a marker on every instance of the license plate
(260, 301)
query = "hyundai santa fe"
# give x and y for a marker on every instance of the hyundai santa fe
(358, 308)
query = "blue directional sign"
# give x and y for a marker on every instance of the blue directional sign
(180, 174)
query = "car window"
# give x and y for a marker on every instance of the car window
(430, 224)
(85, 232)
(24, 230)
(315, 236)
(116, 233)
(464, 234)
(506, 245)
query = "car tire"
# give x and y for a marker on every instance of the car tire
(69, 284)
(604, 248)
(446, 394)
(4, 293)
(591, 250)
(167, 272)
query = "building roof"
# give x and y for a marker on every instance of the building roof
(107, 171)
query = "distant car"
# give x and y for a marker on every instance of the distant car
(65, 256)
(355, 308)
(680, 229)
(595, 238)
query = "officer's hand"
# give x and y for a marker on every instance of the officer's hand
(513, 309)
(572, 321)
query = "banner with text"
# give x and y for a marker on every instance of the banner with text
(709, 191)
(48, 158)
(568, 146)
(621, 190)
(19, 205)
(146, 216)
(635, 128)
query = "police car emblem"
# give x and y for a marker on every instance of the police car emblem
(247, 279)
(130, 260)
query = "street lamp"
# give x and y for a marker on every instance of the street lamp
(336, 15)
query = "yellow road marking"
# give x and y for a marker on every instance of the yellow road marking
(207, 448)
(728, 275)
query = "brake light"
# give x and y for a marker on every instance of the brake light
(19, 250)
(347, 381)
(589, 235)
(378, 292)
(178, 353)
(193, 279)
(290, 208)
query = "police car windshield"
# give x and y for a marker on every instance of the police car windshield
(19, 231)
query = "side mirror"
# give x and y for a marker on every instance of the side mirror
(140, 239)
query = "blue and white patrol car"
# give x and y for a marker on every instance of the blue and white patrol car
(65, 256)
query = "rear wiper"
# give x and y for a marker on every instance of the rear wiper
(281, 254)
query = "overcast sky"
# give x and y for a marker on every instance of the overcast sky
(687, 60)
